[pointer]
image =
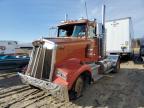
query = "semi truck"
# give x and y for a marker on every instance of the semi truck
(119, 36)
(63, 66)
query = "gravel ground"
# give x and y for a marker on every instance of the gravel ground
(120, 90)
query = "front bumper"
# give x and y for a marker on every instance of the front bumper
(56, 90)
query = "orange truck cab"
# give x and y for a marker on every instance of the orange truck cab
(65, 64)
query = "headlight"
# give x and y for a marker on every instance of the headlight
(59, 73)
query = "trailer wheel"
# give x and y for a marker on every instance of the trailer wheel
(117, 67)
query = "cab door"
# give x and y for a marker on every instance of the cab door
(93, 47)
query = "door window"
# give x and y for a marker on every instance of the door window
(91, 32)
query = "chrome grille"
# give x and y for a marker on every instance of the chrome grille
(40, 63)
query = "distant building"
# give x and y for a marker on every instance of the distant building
(14, 47)
(8, 47)
(137, 42)
(142, 41)
(24, 48)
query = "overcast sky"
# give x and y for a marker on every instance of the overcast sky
(26, 20)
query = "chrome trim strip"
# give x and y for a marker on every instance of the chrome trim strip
(48, 41)
(43, 62)
(53, 62)
(32, 72)
(38, 59)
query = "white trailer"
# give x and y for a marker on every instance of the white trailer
(119, 36)
(8, 47)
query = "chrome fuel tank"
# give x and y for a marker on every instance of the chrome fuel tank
(105, 65)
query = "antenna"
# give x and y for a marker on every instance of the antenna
(66, 17)
(86, 10)
(42, 38)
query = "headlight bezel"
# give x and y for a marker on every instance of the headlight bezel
(61, 74)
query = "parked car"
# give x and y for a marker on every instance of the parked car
(8, 62)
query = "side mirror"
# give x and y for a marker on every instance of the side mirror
(99, 29)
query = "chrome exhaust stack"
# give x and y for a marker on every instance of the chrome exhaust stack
(103, 44)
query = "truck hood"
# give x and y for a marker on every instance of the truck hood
(51, 42)
(66, 40)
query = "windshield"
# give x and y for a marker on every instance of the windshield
(72, 30)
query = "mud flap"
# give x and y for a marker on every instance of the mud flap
(58, 91)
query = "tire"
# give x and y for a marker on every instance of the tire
(77, 89)
(117, 67)
(79, 86)
(138, 60)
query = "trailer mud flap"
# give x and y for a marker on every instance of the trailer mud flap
(58, 91)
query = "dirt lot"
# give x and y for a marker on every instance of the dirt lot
(121, 90)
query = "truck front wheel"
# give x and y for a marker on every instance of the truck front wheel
(77, 89)
(79, 86)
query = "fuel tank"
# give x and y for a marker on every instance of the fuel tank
(105, 65)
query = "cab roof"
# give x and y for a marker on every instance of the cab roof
(69, 22)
